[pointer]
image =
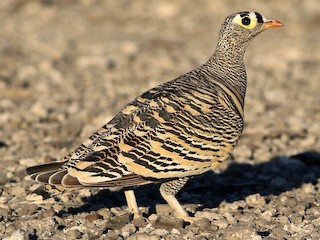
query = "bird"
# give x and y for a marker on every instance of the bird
(172, 132)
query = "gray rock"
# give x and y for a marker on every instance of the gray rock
(144, 236)
(18, 235)
(128, 230)
(26, 209)
(168, 223)
(118, 222)
(203, 224)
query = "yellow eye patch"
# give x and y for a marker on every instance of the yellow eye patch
(247, 20)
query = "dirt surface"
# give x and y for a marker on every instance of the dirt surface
(67, 67)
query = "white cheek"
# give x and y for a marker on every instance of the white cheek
(236, 19)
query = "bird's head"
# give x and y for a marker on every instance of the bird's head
(244, 26)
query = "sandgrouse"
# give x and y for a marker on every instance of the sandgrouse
(179, 129)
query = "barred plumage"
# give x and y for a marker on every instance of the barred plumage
(181, 128)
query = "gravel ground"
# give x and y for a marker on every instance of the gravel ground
(67, 67)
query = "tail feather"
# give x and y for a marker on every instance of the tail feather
(44, 167)
(43, 177)
(55, 174)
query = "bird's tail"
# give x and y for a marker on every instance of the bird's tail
(52, 173)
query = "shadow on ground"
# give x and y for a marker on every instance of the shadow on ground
(238, 181)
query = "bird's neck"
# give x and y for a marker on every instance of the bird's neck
(227, 66)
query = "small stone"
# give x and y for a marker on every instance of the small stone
(2, 228)
(4, 213)
(112, 234)
(160, 232)
(314, 211)
(267, 215)
(168, 223)
(255, 200)
(73, 234)
(58, 220)
(300, 208)
(18, 235)
(17, 191)
(291, 202)
(139, 222)
(295, 218)
(221, 223)
(118, 222)
(283, 219)
(246, 217)
(214, 227)
(308, 188)
(175, 231)
(105, 213)
(128, 230)
(26, 209)
(203, 224)
(143, 236)
(316, 222)
(10, 229)
(92, 217)
(207, 214)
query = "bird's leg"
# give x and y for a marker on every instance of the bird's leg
(132, 203)
(168, 190)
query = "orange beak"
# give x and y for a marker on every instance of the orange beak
(271, 24)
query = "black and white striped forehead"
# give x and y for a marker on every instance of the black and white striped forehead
(252, 15)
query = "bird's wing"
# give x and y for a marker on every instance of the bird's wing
(167, 132)
(170, 131)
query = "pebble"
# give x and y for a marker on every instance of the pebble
(2, 228)
(314, 211)
(118, 222)
(168, 223)
(10, 229)
(221, 223)
(160, 232)
(267, 215)
(246, 217)
(144, 236)
(128, 230)
(48, 213)
(105, 213)
(203, 224)
(255, 200)
(18, 235)
(291, 202)
(26, 209)
(139, 222)
(4, 213)
(73, 234)
(93, 216)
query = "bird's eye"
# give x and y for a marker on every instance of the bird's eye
(246, 21)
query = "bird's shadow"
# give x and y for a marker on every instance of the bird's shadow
(238, 181)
